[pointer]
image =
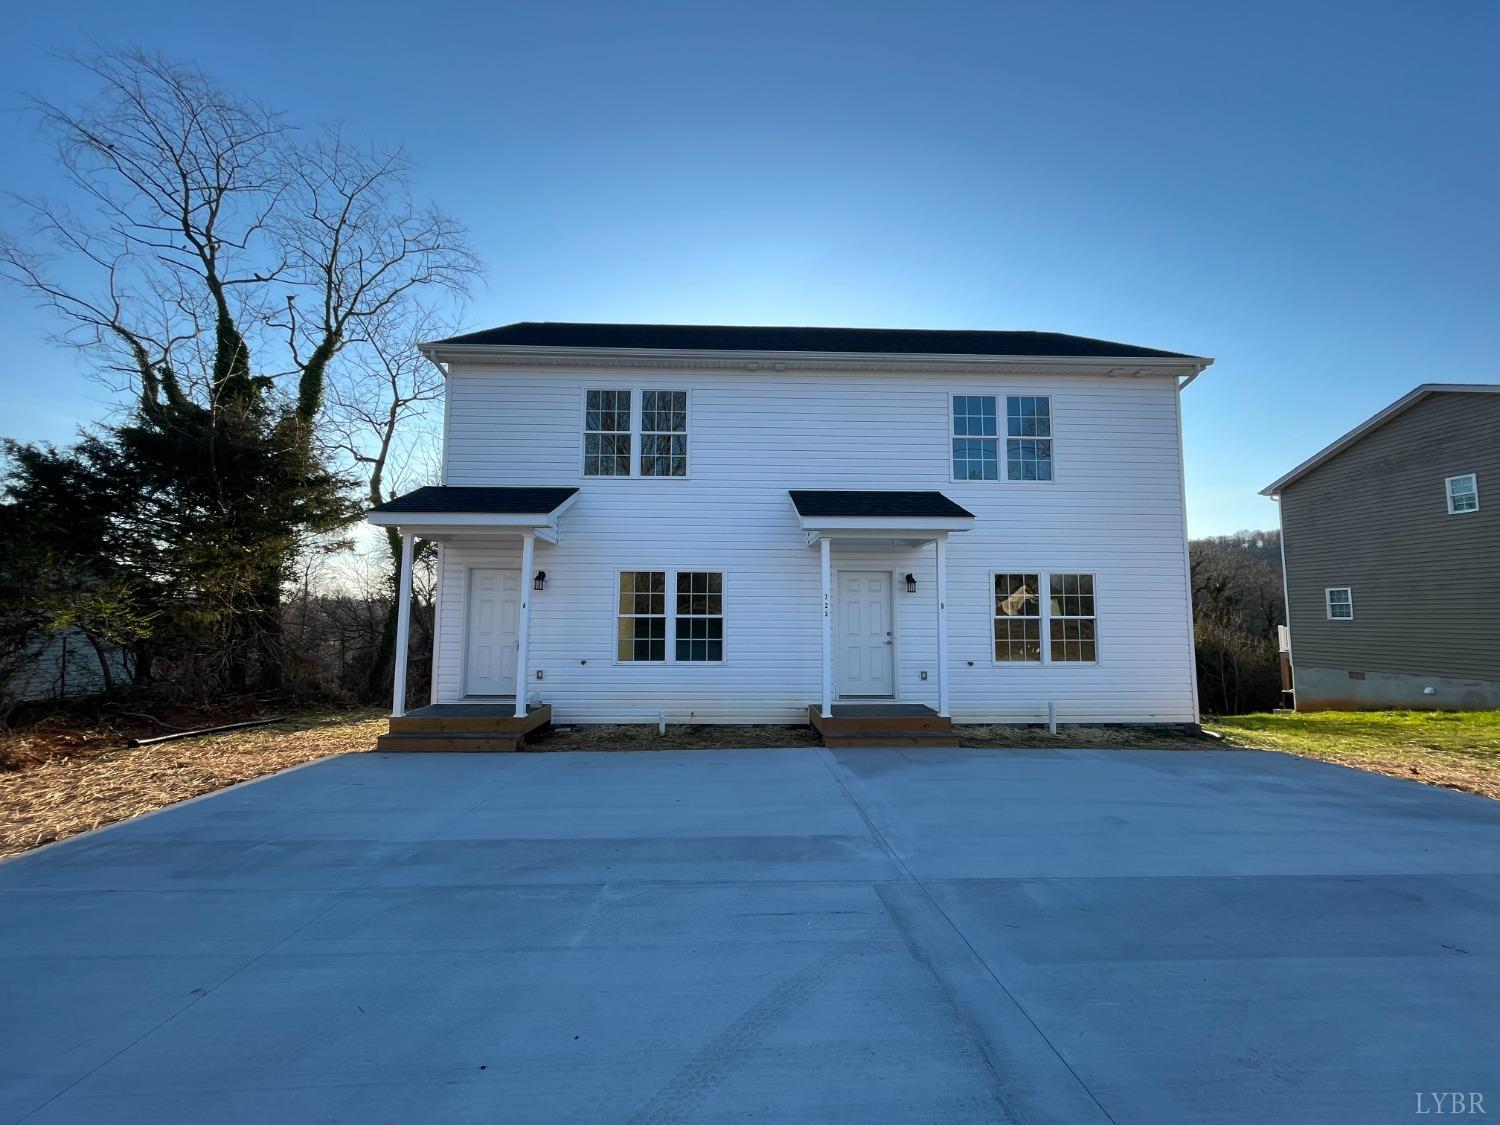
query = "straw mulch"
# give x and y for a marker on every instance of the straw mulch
(58, 779)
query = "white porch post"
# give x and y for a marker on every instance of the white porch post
(403, 625)
(825, 549)
(942, 626)
(523, 630)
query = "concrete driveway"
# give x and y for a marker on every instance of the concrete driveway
(773, 935)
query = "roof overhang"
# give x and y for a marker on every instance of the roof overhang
(447, 525)
(898, 516)
(1404, 403)
(1186, 368)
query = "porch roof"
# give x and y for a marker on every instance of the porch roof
(912, 516)
(450, 508)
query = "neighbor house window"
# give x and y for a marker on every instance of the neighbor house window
(1018, 617)
(692, 615)
(699, 628)
(606, 434)
(976, 438)
(643, 615)
(1340, 603)
(1071, 618)
(663, 433)
(1463, 494)
(1028, 438)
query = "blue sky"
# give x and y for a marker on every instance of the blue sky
(1307, 192)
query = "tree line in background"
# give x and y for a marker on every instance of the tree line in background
(256, 293)
(1238, 601)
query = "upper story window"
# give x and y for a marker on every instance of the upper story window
(606, 434)
(976, 438)
(1028, 437)
(1340, 601)
(663, 433)
(1463, 494)
(614, 418)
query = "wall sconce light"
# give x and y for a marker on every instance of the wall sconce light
(911, 583)
(540, 581)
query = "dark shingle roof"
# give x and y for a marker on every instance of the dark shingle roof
(882, 505)
(747, 338)
(479, 501)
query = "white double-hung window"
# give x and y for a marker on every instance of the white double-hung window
(606, 434)
(670, 617)
(1340, 603)
(1463, 494)
(1061, 630)
(635, 433)
(977, 438)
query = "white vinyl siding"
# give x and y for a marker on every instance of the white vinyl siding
(755, 434)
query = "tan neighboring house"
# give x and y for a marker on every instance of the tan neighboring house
(1391, 547)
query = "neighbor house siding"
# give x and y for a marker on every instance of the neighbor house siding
(1115, 511)
(1374, 518)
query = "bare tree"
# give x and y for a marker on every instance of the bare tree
(382, 414)
(222, 266)
(217, 231)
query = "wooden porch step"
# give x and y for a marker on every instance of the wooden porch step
(453, 741)
(870, 739)
(463, 727)
(868, 722)
(470, 718)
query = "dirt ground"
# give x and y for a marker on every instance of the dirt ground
(60, 776)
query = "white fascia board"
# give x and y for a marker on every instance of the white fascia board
(450, 520)
(845, 525)
(1405, 402)
(769, 360)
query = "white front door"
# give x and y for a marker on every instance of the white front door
(490, 656)
(866, 645)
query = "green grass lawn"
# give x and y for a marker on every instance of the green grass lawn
(1456, 749)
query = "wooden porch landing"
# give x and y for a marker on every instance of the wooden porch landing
(882, 724)
(464, 727)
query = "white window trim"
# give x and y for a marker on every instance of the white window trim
(1003, 462)
(1448, 493)
(1328, 602)
(584, 431)
(1044, 582)
(637, 400)
(671, 615)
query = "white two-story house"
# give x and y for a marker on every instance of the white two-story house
(704, 524)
